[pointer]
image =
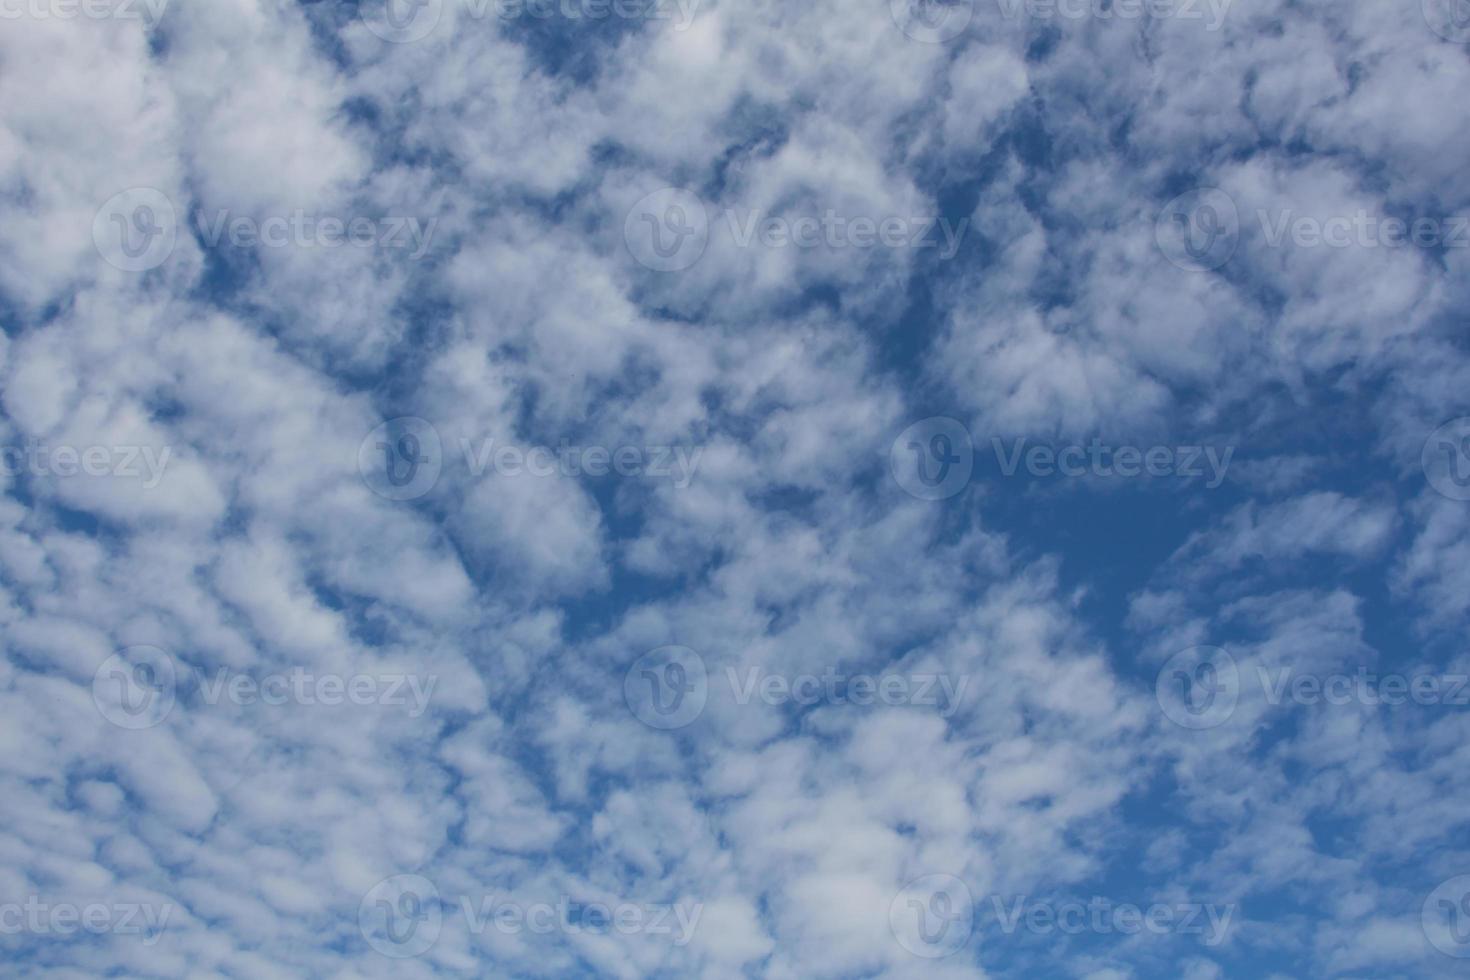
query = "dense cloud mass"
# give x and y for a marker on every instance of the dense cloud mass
(735, 488)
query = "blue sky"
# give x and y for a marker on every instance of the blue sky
(637, 488)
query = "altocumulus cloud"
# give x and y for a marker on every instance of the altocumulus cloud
(734, 489)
